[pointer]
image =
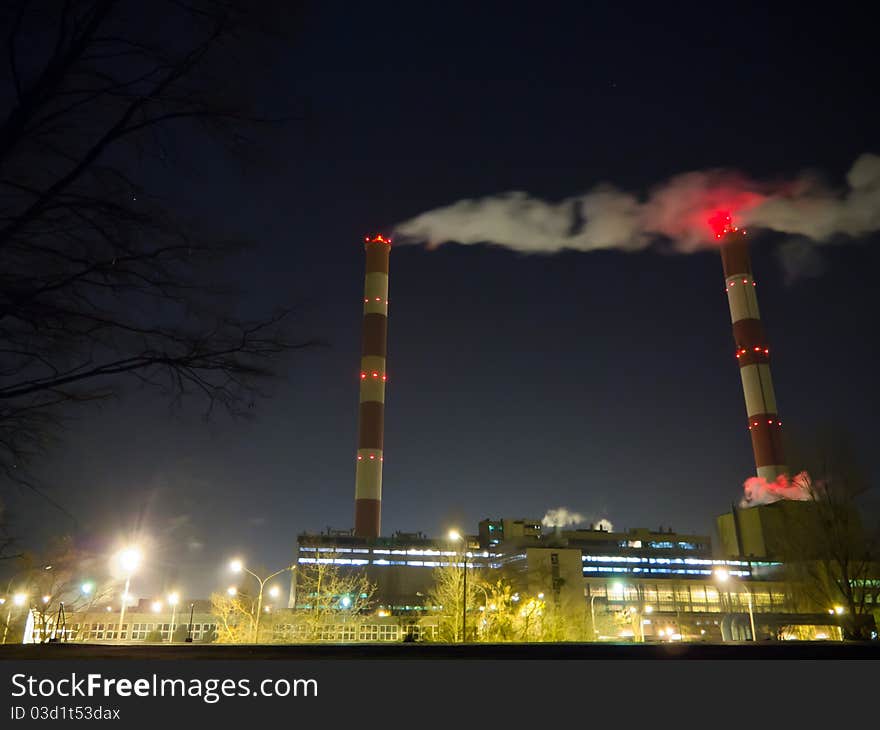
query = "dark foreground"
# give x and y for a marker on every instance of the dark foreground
(768, 650)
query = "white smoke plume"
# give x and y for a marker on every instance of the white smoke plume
(608, 218)
(561, 517)
(758, 490)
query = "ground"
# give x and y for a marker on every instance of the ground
(748, 650)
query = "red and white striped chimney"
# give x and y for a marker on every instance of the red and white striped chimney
(371, 418)
(752, 350)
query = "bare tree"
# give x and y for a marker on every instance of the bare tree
(328, 594)
(62, 575)
(235, 616)
(832, 558)
(446, 600)
(102, 282)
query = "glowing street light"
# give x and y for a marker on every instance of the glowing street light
(157, 606)
(46, 599)
(274, 591)
(129, 559)
(232, 591)
(236, 566)
(87, 587)
(722, 575)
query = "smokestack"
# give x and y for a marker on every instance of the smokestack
(371, 411)
(752, 350)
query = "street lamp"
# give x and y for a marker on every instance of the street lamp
(722, 575)
(173, 600)
(455, 536)
(128, 561)
(238, 566)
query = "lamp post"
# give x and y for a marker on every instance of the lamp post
(189, 631)
(455, 536)
(722, 575)
(173, 599)
(128, 560)
(237, 566)
(593, 616)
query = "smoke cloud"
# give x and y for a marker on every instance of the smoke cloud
(608, 218)
(561, 517)
(758, 490)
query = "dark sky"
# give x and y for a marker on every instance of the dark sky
(602, 382)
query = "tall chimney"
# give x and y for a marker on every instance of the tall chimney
(371, 412)
(752, 350)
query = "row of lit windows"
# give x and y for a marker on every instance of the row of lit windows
(671, 571)
(383, 551)
(362, 632)
(667, 561)
(86, 632)
(383, 561)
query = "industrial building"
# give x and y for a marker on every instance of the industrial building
(668, 582)
(144, 621)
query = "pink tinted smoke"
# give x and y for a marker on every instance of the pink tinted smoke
(757, 490)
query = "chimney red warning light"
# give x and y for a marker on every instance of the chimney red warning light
(721, 223)
(378, 238)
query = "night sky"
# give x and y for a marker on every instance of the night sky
(602, 382)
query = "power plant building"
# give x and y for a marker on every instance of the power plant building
(594, 573)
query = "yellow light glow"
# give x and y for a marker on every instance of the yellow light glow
(274, 591)
(173, 599)
(236, 566)
(722, 574)
(454, 535)
(232, 590)
(157, 606)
